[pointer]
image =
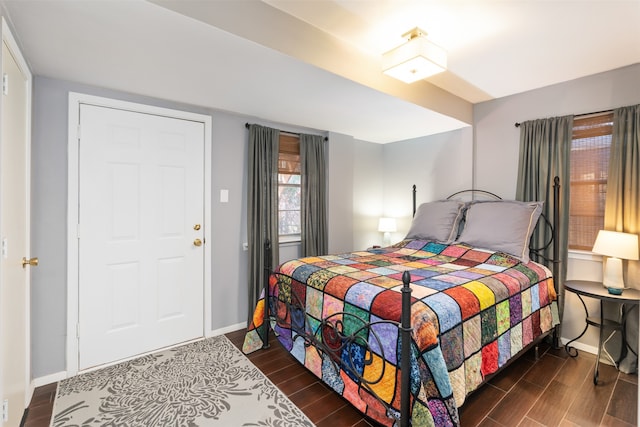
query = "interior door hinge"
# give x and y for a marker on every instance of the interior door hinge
(78, 330)
(5, 84)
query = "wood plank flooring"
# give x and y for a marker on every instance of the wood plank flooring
(555, 390)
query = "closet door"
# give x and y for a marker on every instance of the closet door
(14, 229)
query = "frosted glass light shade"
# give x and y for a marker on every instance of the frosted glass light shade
(415, 60)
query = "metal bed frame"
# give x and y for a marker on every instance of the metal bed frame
(332, 339)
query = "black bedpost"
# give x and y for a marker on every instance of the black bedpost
(414, 200)
(267, 274)
(556, 223)
(556, 247)
(405, 361)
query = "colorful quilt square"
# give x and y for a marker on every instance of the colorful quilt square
(466, 263)
(303, 272)
(500, 291)
(477, 255)
(381, 376)
(489, 358)
(353, 359)
(472, 330)
(339, 285)
(355, 321)
(383, 339)
(446, 308)
(332, 306)
(314, 303)
(417, 291)
(504, 316)
(489, 325)
(502, 260)
(504, 348)
(512, 285)
(455, 280)
(467, 301)
(454, 251)
(320, 278)
(435, 284)
(342, 269)
(453, 347)
(385, 282)
(467, 274)
(361, 275)
(485, 296)
(526, 302)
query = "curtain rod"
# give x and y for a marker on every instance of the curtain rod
(284, 131)
(579, 115)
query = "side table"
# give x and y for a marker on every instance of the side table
(598, 291)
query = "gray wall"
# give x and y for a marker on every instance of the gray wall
(228, 220)
(438, 165)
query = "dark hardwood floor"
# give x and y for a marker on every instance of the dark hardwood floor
(555, 390)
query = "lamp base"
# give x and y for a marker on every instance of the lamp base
(615, 291)
(613, 274)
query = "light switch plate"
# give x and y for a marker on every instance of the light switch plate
(224, 196)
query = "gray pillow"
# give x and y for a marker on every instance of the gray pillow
(504, 226)
(437, 221)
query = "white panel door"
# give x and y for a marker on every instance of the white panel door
(14, 227)
(141, 263)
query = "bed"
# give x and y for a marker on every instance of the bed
(405, 333)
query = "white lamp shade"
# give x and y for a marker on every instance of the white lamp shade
(387, 225)
(616, 244)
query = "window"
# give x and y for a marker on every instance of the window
(590, 148)
(289, 188)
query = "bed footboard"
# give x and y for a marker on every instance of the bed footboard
(328, 338)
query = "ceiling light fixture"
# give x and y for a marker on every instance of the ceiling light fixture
(415, 60)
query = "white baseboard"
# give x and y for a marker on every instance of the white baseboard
(48, 379)
(580, 346)
(226, 329)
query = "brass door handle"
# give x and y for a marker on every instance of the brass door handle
(197, 242)
(32, 262)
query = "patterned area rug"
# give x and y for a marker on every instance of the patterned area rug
(205, 383)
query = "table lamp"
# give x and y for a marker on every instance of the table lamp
(387, 226)
(617, 246)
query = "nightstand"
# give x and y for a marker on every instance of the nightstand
(598, 291)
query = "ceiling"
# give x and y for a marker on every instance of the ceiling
(316, 63)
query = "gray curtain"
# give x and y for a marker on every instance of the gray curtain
(545, 149)
(622, 209)
(262, 206)
(313, 212)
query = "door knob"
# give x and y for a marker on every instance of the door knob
(197, 242)
(32, 262)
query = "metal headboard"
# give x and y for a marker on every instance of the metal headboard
(537, 252)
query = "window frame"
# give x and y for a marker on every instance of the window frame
(289, 164)
(596, 130)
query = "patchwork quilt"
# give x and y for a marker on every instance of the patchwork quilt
(472, 310)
